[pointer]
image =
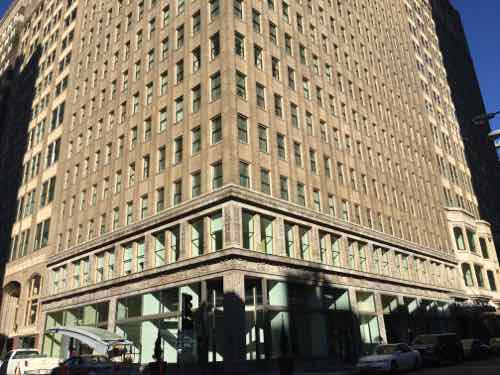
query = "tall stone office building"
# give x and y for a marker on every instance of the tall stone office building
(296, 166)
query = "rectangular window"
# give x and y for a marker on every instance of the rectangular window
(144, 206)
(244, 169)
(179, 109)
(297, 154)
(178, 147)
(216, 129)
(256, 21)
(248, 230)
(161, 159)
(214, 46)
(241, 89)
(216, 231)
(260, 93)
(301, 194)
(239, 44)
(284, 188)
(242, 123)
(215, 87)
(238, 8)
(195, 140)
(217, 178)
(265, 181)
(280, 141)
(160, 199)
(196, 99)
(317, 200)
(177, 192)
(304, 242)
(127, 259)
(262, 138)
(159, 249)
(266, 234)
(195, 184)
(197, 238)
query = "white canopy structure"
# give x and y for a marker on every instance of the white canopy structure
(97, 338)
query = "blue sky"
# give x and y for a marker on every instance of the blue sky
(481, 20)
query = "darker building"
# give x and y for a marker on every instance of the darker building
(466, 95)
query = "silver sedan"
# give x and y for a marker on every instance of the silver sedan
(390, 358)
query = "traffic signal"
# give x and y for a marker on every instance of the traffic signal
(187, 305)
(187, 311)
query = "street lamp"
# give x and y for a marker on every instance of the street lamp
(481, 119)
(495, 134)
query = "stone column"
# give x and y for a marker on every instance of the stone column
(232, 225)
(256, 233)
(118, 261)
(315, 245)
(207, 240)
(234, 322)
(296, 251)
(183, 250)
(112, 309)
(380, 315)
(279, 237)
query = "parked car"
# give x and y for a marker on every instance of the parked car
(21, 361)
(475, 349)
(390, 358)
(439, 348)
(495, 345)
(94, 365)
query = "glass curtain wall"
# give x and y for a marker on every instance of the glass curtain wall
(94, 315)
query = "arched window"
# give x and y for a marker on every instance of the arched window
(467, 274)
(32, 303)
(471, 237)
(484, 248)
(10, 306)
(459, 238)
(491, 280)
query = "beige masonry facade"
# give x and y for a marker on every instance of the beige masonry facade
(293, 165)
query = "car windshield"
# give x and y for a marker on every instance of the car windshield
(94, 360)
(385, 349)
(425, 340)
(26, 354)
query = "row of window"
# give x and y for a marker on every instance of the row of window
(478, 278)
(205, 234)
(20, 243)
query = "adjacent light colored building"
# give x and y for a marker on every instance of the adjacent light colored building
(293, 165)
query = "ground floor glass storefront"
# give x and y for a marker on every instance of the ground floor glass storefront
(313, 321)
(142, 318)
(93, 315)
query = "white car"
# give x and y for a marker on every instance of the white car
(22, 361)
(390, 358)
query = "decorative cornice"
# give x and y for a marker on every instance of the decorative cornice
(251, 197)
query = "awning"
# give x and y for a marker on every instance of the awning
(97, 338)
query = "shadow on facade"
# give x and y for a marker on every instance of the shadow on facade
(466, 95)
(17, 95)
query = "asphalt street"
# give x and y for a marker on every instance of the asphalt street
(486, 367)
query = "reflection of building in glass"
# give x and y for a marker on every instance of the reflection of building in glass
(290, 168)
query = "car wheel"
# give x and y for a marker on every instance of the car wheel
(394, 367)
